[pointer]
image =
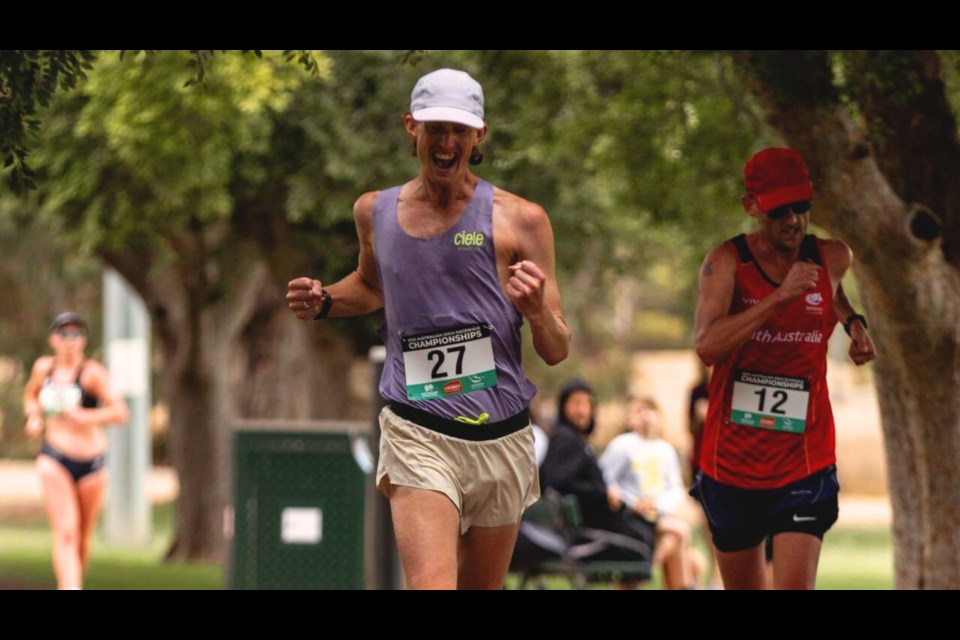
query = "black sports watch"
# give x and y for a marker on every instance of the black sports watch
(325, 305)
(851, 318)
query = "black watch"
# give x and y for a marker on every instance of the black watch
(325, 306)
(851, 318)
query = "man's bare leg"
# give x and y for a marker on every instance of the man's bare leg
(743, 569)
(427, 525)
(795, 560)
(485, 554)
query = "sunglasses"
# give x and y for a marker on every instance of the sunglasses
(798, 208)
(71, 334)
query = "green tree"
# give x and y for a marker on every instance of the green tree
(208, 200)
(28, 82)
(161, 181)
(29, 79)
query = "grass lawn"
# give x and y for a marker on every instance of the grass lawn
(851, 559)
(857, 559)
(25, 560)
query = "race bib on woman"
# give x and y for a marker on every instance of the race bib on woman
(56, 399)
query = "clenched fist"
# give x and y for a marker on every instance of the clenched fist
(803, 277)
(862, 350)
(305, 297)
(525, 288)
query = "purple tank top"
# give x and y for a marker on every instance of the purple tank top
(452, 336)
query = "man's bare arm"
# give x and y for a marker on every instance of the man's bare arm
(716, 333)
(355, 295)
(532, 285)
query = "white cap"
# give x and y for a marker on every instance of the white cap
(447, 95)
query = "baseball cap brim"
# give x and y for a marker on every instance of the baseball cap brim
(68, 317)
(794, 193)
(448, 114)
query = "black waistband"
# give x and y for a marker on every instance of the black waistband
(454, 429)
(61, 457)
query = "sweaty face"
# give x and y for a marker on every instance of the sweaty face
(444, 149)
(578, 409)
(787, 233)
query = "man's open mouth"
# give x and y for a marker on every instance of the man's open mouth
(445, 160)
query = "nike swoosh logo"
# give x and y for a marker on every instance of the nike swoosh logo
(797, 518)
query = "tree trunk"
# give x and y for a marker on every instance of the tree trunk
(912, 296)
(199, 322)
(200, 414)
(231, 349)
(288, 368)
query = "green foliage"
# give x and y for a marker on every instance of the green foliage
(133, 158)
(808, 81)
(637, 153)
(344, 136)
(200, 57)
(951, 76)
(636, 156)
(28, 81)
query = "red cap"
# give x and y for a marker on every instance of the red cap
(775, 177)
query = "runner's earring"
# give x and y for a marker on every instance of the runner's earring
(476, 157)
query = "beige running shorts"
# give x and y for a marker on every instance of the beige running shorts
(491, 482)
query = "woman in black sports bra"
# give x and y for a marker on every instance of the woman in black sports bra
(68, 400)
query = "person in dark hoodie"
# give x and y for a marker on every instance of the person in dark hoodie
(571, 468)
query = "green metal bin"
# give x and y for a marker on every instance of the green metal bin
(299, 500)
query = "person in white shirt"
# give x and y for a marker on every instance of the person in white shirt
(643, 475)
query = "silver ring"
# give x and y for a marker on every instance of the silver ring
(306, 305)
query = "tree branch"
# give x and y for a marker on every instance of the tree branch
(800, 100)
(913, 131)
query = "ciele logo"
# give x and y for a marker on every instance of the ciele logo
(468, 239)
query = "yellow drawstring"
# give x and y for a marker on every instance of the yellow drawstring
(483, 417)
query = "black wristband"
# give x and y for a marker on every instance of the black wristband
(851, 318)
(325, 307)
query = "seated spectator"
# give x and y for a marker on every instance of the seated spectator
(642, 472)
(570, 468)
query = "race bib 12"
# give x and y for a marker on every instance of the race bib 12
(770, 402)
